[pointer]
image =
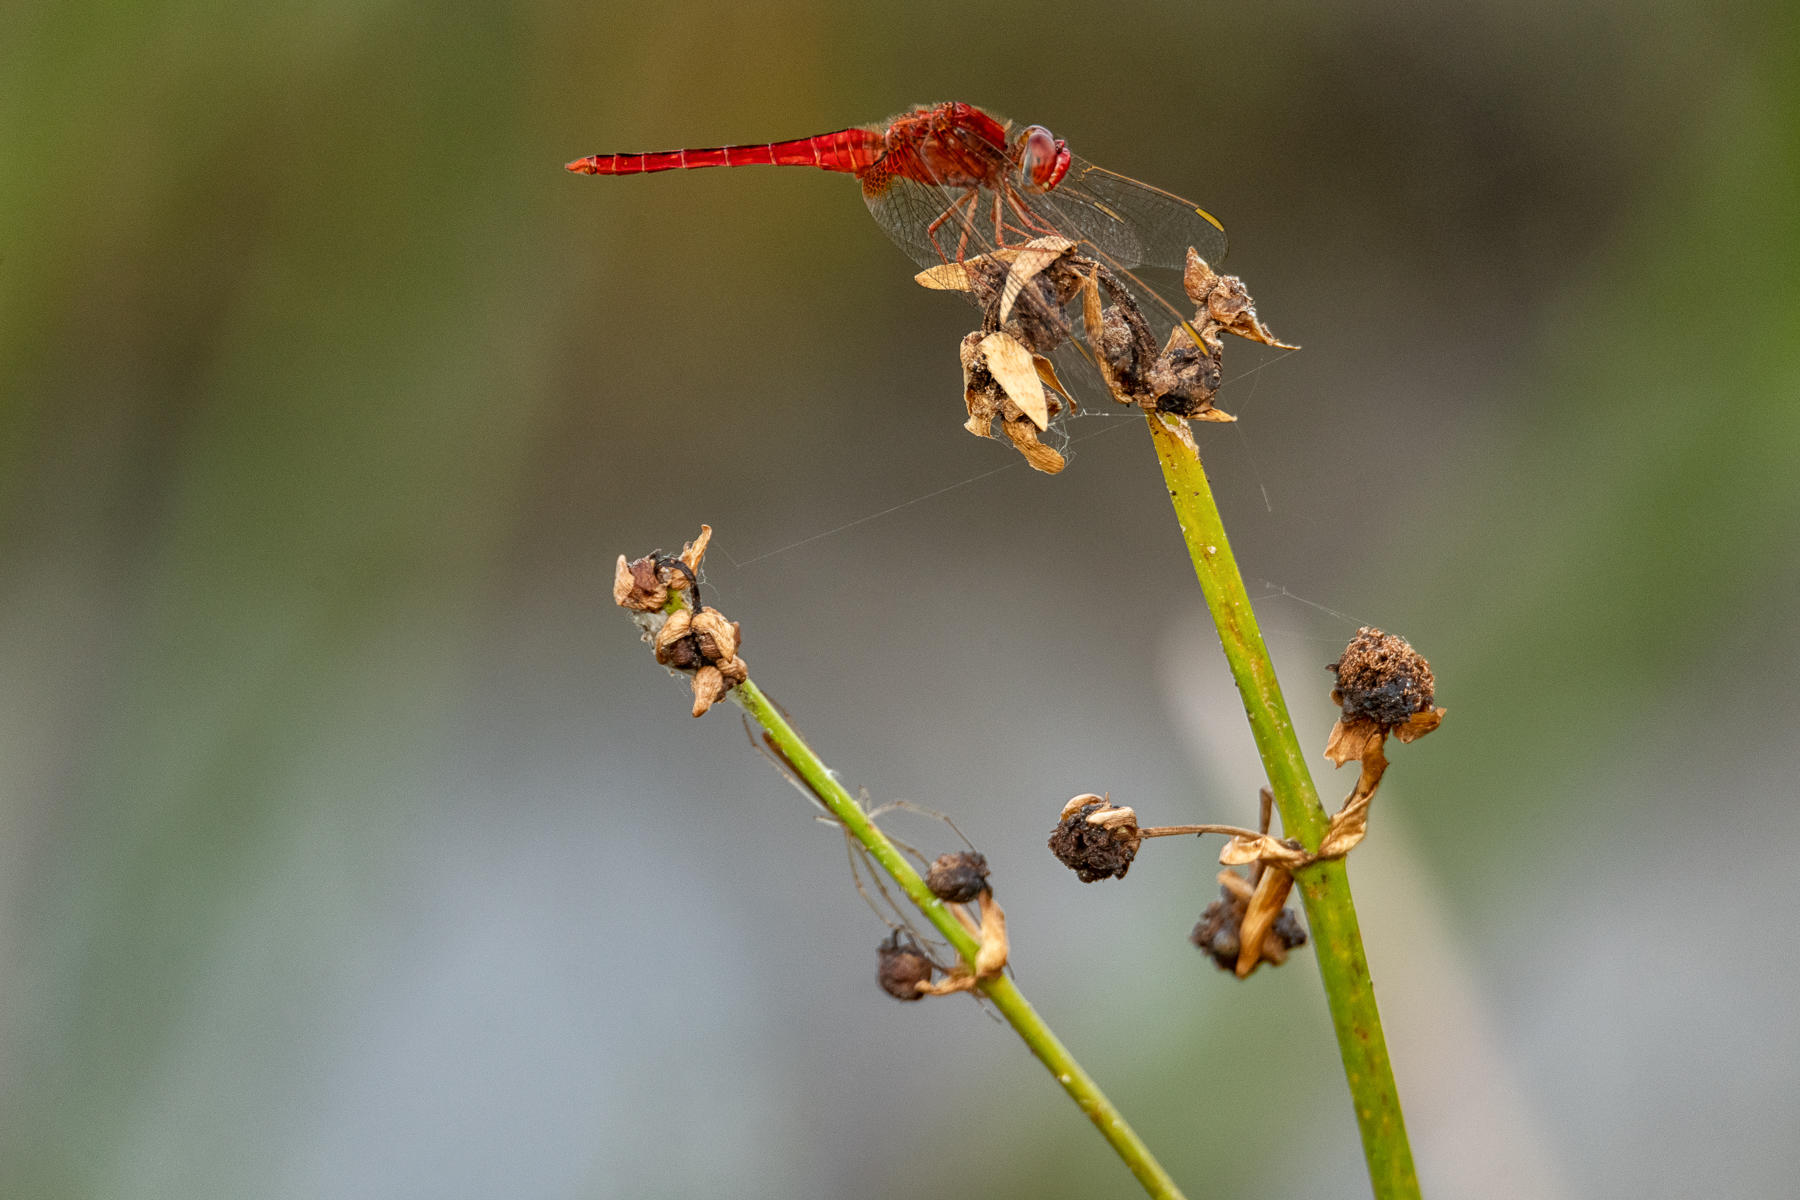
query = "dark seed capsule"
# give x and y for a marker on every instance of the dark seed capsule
(902, 967)
(1093, 851)
(1382, 679)
(958, 877)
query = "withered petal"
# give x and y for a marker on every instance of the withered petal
(1259, 917)
(959, 980)
(1236, 884)
(1116, 817)
(709, 688)
(1078, 803)
(672, 631)
(1038, 456)
(1263, 848)
(1350, 740)
(636, 586)
(1015, 370)
(1419, 724)
(1033, 257)
(1093, 319)
(719, 637)
(945, 277)
(694, 551)
(1197, 278)
(1348, 827)
(1047, 374)
(990, 959)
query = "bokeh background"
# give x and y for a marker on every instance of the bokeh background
(351, 845)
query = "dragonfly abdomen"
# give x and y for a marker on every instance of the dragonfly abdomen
(848, 150)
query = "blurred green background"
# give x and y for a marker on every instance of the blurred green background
(351, 845)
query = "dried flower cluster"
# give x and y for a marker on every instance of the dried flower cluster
(1024, 293)
(704, 642)
(643, 584)
(906, 972)
(1003, 381)
(1384, 686)
(697, 640)
(1098, 839)
(1248, 925)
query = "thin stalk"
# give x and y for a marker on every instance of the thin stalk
(1195, 830)
(1000, 990)
(1324, 886)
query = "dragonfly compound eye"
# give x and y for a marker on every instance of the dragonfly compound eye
(1043, 159)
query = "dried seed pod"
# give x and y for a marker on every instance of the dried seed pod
(705, 643)
(1381, 678)
(981, 391)
(1095, 838)
(1220, 930)
(714, 636)
(988, 400)
(1124, 350)
(902, 967)
(643, 584)
(674, 644)
(1185, 378)
(959, 877)
(1225, 305)
(1032, 301)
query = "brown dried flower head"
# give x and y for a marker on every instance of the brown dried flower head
(704, 642)
(959, 877)
(643, 584)
(1381, 678)
(1095, 838)
(1224, 306)
(1024, 292)
(1005, 382)
(902, 967)
(1220, 930)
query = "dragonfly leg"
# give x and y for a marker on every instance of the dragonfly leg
(962, 244)
(1032, 222)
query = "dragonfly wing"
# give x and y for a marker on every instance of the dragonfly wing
(938, 223)
(905, 211)
(1132, 223)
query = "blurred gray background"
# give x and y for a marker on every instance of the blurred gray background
(352, 846)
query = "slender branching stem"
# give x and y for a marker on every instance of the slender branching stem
(1324, 886)
(1000, 989)
(1194, 830)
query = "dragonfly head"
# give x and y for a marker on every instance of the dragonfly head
(1043, 159)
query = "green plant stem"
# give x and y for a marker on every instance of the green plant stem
(1324, 886)
(1000, 990)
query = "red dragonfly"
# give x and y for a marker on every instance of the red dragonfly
(948, 179)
